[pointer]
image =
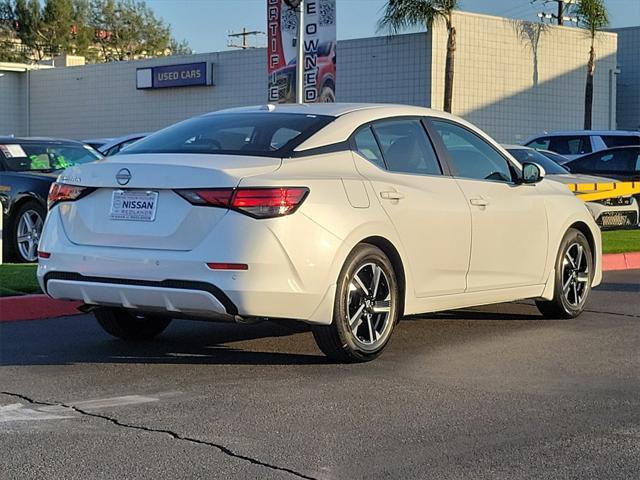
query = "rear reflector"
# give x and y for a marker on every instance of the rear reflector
(228, 266)
(261, 202)
(43, 254)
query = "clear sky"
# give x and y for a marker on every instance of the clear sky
(205, 23)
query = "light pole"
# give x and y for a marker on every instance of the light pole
(298, 5)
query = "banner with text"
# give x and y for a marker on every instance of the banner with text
(319, 51)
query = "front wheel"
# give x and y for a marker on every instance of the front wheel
(125, 325)
(365, 308)
(574, 272)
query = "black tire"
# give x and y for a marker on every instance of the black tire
(32, 208)
(125, 325)
(346, 343)
(572, 286)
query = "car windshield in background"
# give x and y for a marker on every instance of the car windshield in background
(527, 155)
(261, 134)
(46, 157)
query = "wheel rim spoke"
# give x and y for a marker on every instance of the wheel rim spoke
(361, 284)
(375, 283)
(356, 319)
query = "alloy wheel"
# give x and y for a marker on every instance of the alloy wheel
(369, 306)
(28, 235)
(575, 275)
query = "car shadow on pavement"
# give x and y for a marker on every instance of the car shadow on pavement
(79, 339)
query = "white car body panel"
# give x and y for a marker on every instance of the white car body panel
(452, 254)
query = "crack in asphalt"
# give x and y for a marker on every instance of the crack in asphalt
(225, 450)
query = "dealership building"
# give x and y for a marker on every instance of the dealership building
(513, 78)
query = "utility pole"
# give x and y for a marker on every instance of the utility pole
(298, 6)
(559, 17)
(300, 60)
(245, 36)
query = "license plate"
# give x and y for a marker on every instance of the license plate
(134, 206)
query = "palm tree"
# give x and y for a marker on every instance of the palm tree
(402, 14)
(593, 17)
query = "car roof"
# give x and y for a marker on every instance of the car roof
(25, 140)
(329, 109)
(621, 133)
(516, 147)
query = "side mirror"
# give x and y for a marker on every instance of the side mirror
(532, 173)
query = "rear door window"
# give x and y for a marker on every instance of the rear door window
(618, 161)
(406, 147)
(620, 140)
(570, 145)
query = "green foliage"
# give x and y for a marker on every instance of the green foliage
(100, 30)
(403, 14)
(592, 15)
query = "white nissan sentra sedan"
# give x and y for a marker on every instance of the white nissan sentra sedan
(343, 216)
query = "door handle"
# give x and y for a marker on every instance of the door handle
(391, 195)
(479, 202)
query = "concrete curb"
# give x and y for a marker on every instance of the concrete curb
(35, 307)
(620, 261)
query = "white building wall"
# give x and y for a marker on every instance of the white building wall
(12, 103)
(629, 78)
(102, 100)
(385, 70)
(515, 79)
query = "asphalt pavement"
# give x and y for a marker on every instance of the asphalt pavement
(489, 392)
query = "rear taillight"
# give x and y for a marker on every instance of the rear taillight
(263, 202)
(61, 192)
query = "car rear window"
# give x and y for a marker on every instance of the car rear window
(262, 134)
(45, 156)
(620, 140)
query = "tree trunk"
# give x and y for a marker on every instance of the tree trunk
(588, 91)
(448, 69)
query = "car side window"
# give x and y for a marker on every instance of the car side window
(541, 143)
(471, 156)
(570, 145)
(367, 146)
(620, 161)
(406, 147)
(620, 140)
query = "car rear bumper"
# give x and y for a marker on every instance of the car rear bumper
(172, 297)
(286, 278)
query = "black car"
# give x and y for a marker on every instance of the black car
(621, 163)
(28, 166)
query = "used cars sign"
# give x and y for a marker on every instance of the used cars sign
(167, 76)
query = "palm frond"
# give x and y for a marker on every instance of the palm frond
(403, 14)
(593, 15)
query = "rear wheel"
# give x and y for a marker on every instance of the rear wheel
(365, 310)
(125, 325)
(574, 271)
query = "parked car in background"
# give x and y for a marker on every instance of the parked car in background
(28, 167)
(341, 216)
(116, 145)
(97, 143)
(622, 163)
(556, 157)
(573, 144)
(611, 213)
